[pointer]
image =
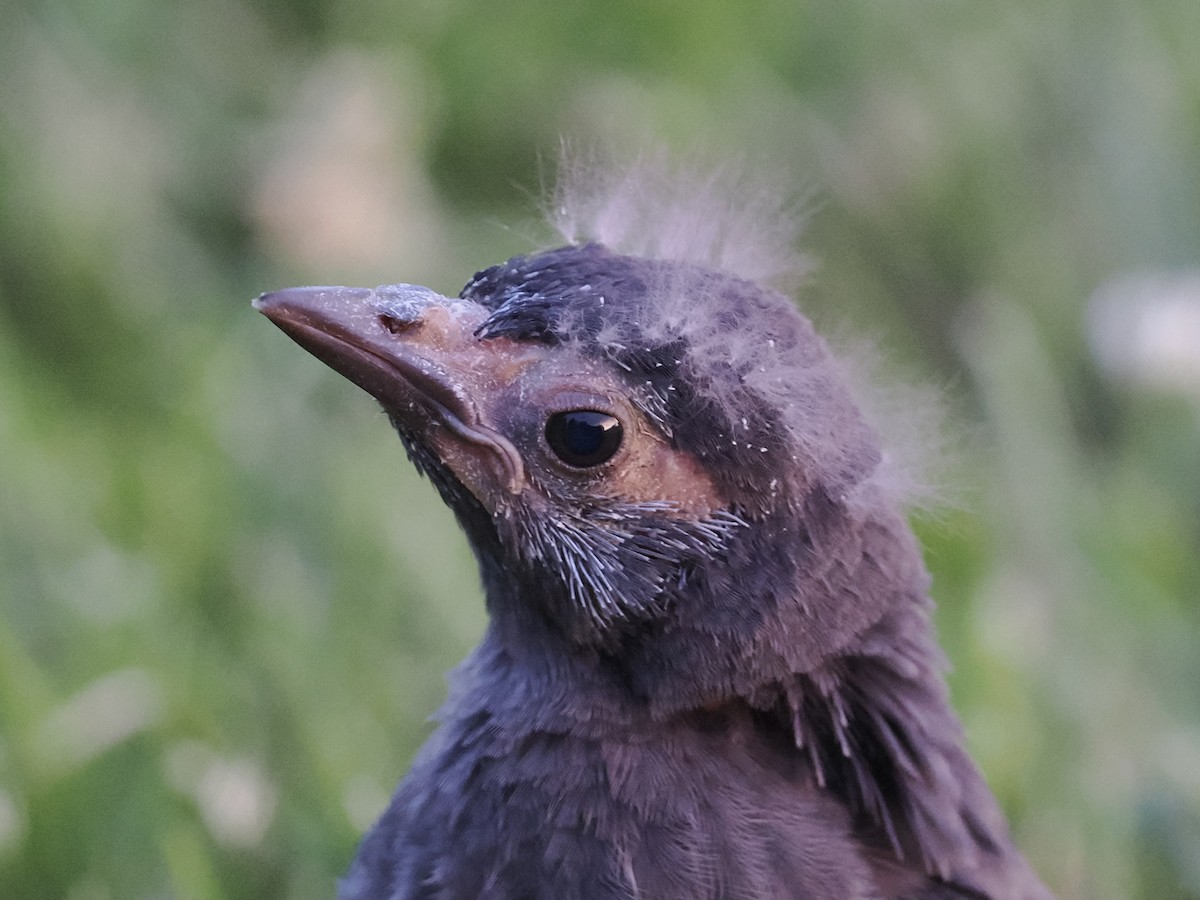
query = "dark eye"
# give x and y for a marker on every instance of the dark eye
(583, 437)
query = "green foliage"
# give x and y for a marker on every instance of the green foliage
(226, 604)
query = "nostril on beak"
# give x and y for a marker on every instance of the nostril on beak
(398, 324)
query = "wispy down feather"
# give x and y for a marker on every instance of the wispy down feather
(724, 217)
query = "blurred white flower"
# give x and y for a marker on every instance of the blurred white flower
(1145, 330)
(236, 799)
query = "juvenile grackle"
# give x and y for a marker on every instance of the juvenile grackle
(709, 670)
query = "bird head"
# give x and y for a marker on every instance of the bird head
(651, 458)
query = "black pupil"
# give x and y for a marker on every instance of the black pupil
(583, 437)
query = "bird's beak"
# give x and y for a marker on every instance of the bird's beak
(415, 351)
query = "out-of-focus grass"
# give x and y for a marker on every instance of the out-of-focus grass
(226, 604)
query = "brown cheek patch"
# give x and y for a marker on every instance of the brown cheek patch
(656, 472)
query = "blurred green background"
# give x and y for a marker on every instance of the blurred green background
(226, 603)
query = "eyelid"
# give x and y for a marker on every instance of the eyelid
(566, 401)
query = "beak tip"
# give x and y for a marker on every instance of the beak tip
(302, 303)
(272, 303)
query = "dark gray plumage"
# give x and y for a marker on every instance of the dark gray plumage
(709, 670)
